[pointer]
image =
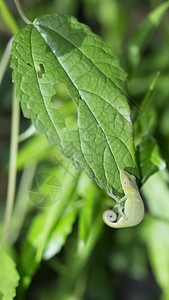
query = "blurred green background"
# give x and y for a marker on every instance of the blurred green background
(64, 251)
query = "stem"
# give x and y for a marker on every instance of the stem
(5, 59)
(27, 133)
(12, 167)
(8, 18)
(21, 205)
(20, 10)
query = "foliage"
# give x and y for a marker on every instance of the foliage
(9, 276)
(102, 103)
(70, 54)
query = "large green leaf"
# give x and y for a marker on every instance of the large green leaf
(9, 276)
(58, 50)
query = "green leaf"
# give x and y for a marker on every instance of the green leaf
(146, 119)
(87, 192)
(9, 276)
(155, 234)
(43, 225)
(156, 193)
(35, 150)
(149, 158)
(60, 233)
(60, 50)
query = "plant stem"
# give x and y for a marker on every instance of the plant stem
(27, 133)
(8, 18)
(5, 59)
(20, 10)
(12, 167)
(21, 205)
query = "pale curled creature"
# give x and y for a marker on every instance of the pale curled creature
(133, 207)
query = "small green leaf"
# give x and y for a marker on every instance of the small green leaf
(60, 50)
(156, 192)
(149, 158)
(87, 192)
(146, 118)
(43, 225)
(155, 233)
(9, 277)
(60, 233)
(142, 35)
(35, 150)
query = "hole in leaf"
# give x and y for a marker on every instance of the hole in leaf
(28, 64)
(41, 70)
(63, 102)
